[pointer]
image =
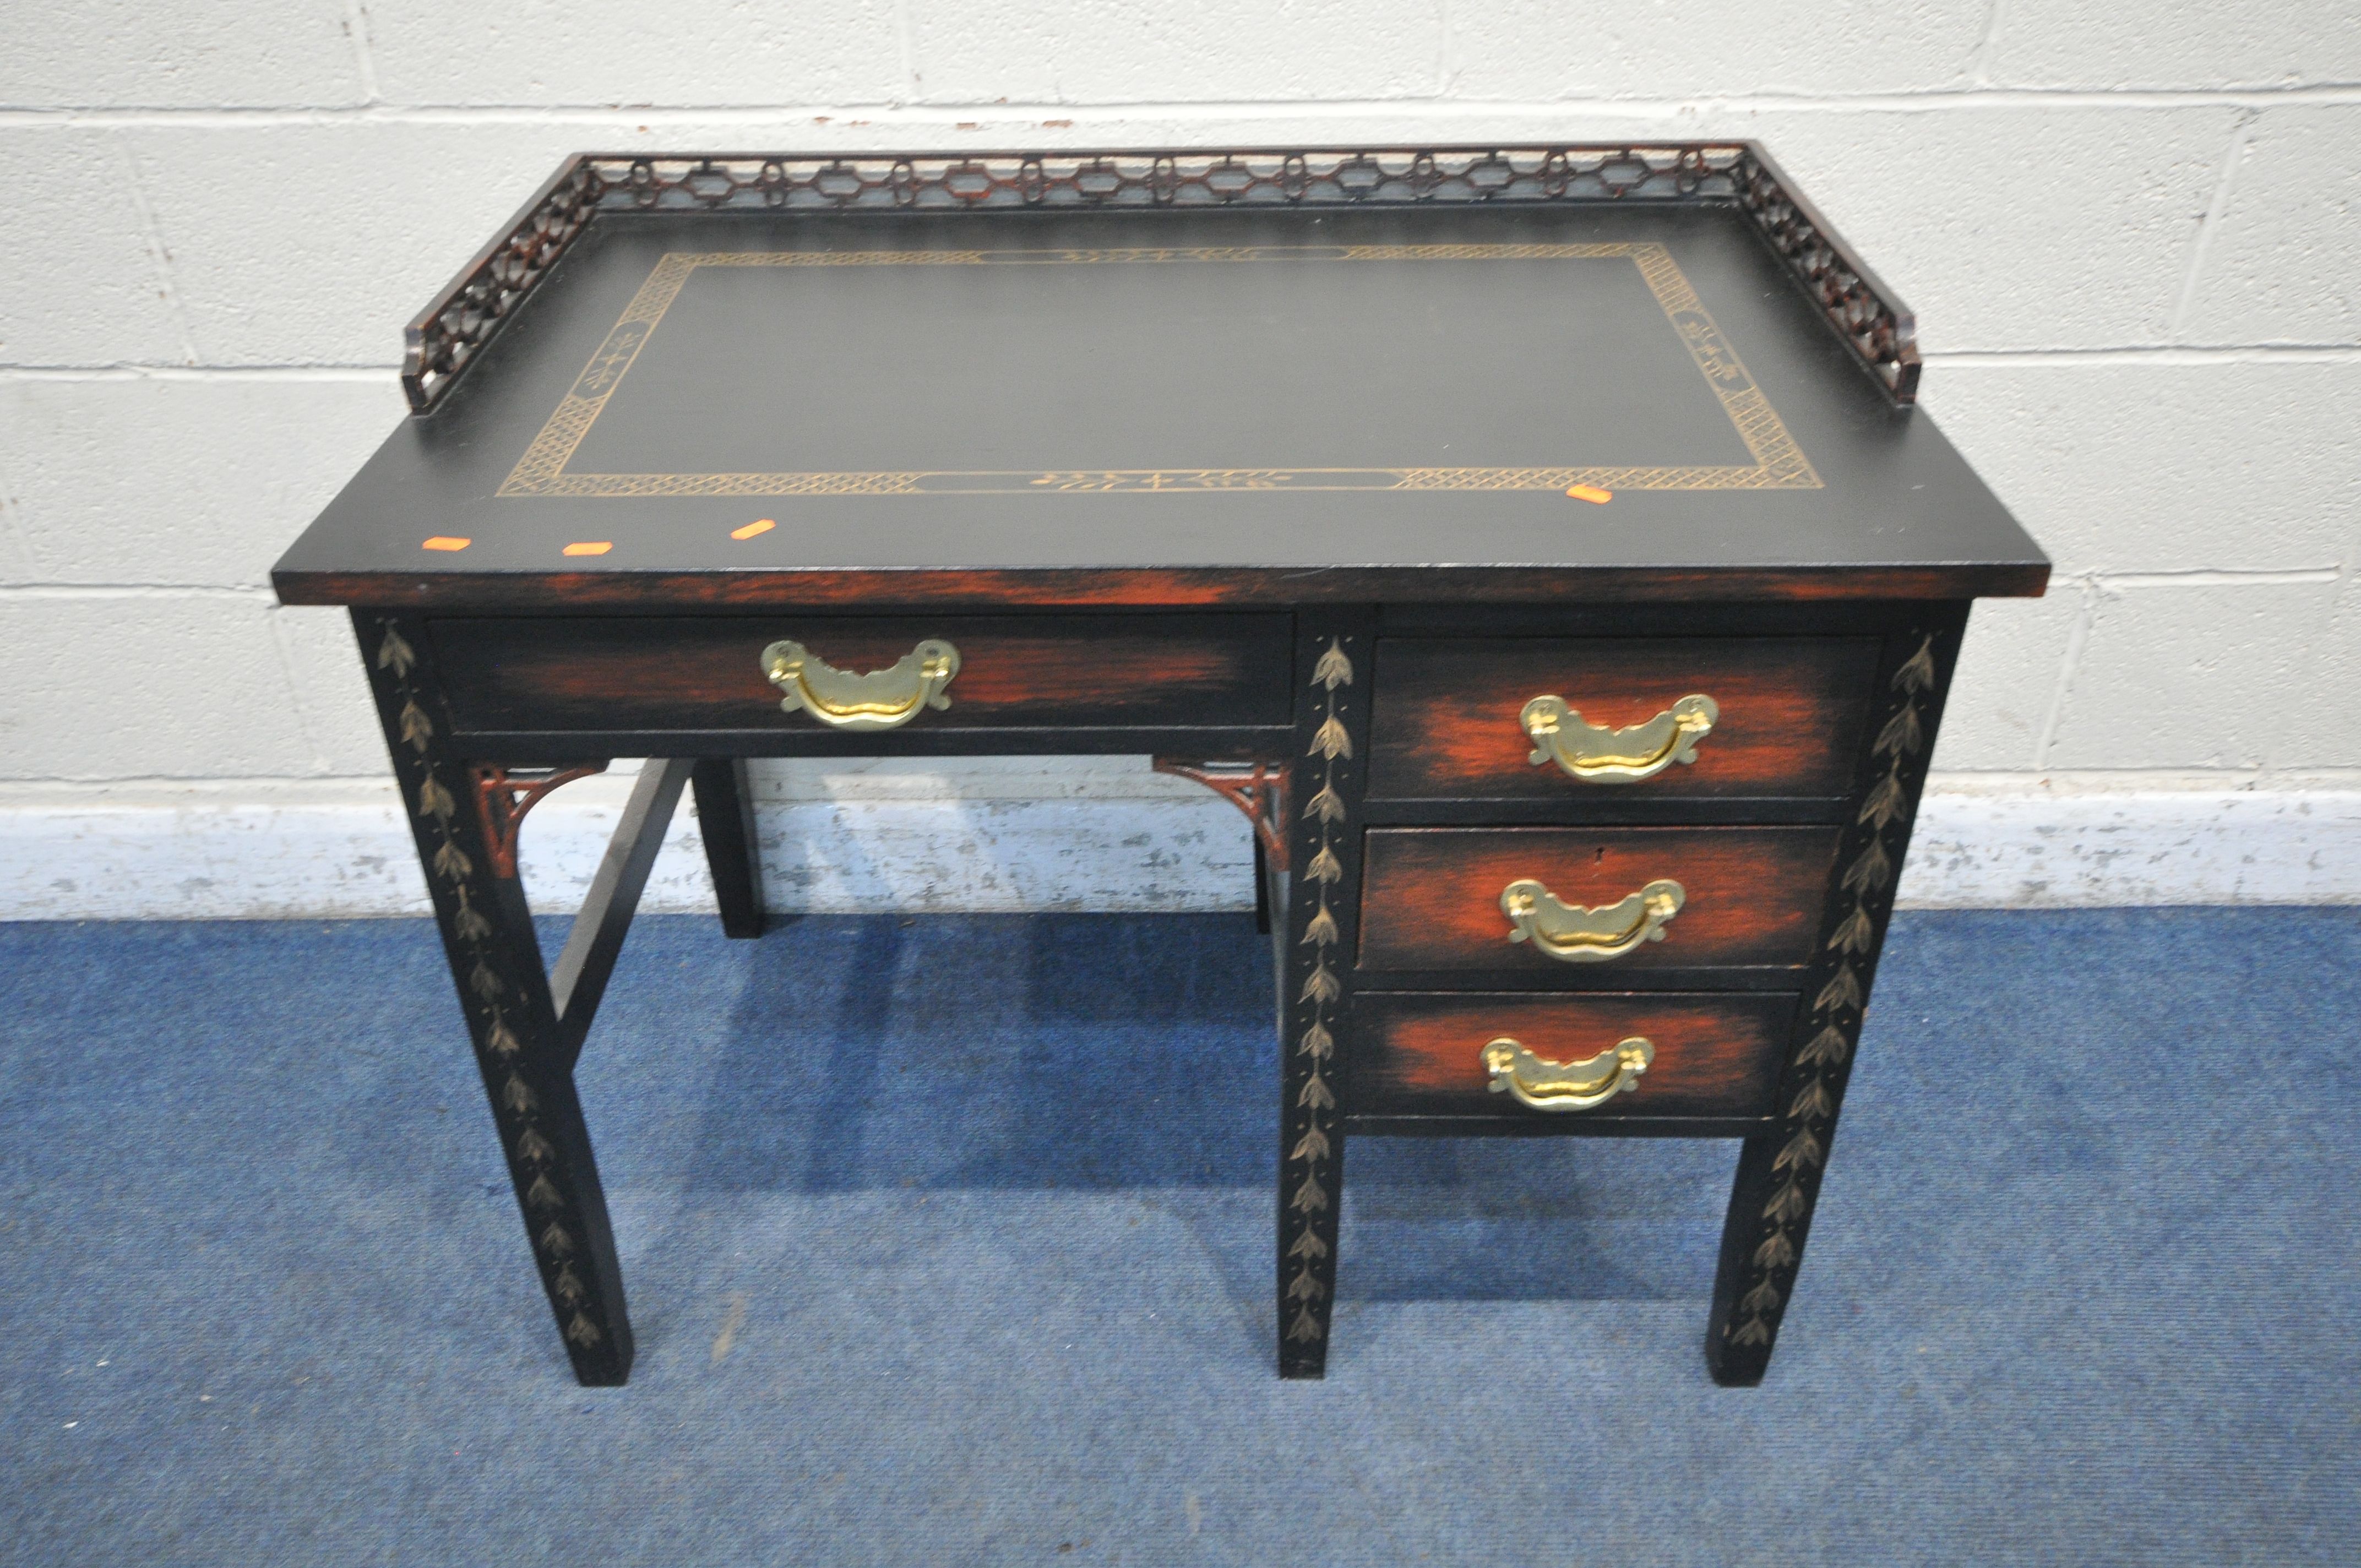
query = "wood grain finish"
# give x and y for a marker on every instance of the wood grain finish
(1015, 671)
(1420, 1054)
(1432, 895)
(1446, 718)
(1148, 586)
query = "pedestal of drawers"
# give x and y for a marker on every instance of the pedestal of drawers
(1781, 829)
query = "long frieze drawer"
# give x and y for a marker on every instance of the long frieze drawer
(1555, 718)
(1580, 902)
(1599, 1056)
(865, 674)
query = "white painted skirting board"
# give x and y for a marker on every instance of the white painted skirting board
(1114, 838)
(1990, 850)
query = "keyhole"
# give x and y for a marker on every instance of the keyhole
(1599, 856)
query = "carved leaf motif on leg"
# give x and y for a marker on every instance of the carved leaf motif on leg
(1918, 671)
(452, 863)
(1869, 873)
(1844, 991)
(1803, 1152)
(1883, 805)
(1854, 934)
(1314, 1149)
(1814, 1102)
(1829, 1046)
(395, 654)
(434, 801)
(1902, 736)
(416, 727)
(469, 921)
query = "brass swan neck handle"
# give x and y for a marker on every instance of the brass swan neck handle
(1574, 934)
(1596, 754)
(1566, 1086)
(877, 699)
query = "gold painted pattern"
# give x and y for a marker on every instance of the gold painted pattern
(1815, 1078)
(1308, 1263)
(1779, 464)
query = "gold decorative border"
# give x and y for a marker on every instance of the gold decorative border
(1779, 464)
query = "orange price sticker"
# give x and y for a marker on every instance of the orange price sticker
(444, 542)
(1591, 493)
(590, 547)
(763, 525)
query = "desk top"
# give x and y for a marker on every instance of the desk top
(1199, 404)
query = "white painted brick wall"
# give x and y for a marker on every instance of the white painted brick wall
(2132, 233)
(2178, 45)
(147, 683)
(140, 479)
(695, 52)
(193, 54)
(2280, 268)
(1546, 49)
(82, 277)
(2141, 465)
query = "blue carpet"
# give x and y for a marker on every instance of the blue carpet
(948, 1242)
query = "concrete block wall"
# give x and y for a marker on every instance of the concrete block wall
(2132, 233)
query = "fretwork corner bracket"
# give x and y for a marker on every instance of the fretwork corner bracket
(504, 795)
(1256, 788)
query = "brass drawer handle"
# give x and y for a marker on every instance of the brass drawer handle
(879, 699)
(1576, 935)
(1567, 1085)
(1599, 756)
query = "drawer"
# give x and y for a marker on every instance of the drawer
(1446, 716)
(706, 673)
(1430, 898)
(1420, 1054)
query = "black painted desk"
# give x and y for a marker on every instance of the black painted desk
(1538, 545)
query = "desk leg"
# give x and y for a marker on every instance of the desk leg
(1262, 887)
(1780, 1170)
(1323, 892)
(504, 993)
(725, 820)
